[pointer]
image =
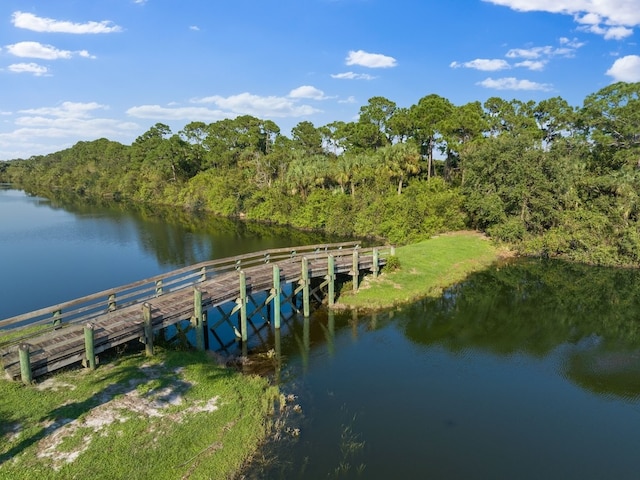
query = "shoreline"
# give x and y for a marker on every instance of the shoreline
(425, 269)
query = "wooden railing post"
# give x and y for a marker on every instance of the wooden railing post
(25, 363)
(306, 309)
(89, 346)
(198, 318)
(331, 278)
(111, 306)
(376, 263)
(57, 321)
(243, 306)
(276, 296)
(356, 269)
(148, 329)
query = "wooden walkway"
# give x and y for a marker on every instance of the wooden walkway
(77, 331)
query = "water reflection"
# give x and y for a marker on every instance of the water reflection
(515, 373)
(64, 248)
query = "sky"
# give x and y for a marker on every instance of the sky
(78, 70)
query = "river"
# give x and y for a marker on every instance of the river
(530, 369)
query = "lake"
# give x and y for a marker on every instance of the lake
(530, 369)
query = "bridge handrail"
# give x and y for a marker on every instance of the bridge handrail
(96, 304)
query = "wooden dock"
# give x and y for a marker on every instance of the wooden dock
(79, 330)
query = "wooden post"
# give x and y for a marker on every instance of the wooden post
(56, 318)
(356, 269)
(376, 263)
(25, 364)
(393, 250)
(305, 287)
(112, 302)
(243, 306)
(148, 329)
(276, 296)
(197, 315)
(90, 356)
(331, 278)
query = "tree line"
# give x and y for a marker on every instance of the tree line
(548, 178)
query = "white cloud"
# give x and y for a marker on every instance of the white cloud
(249, 104)
(532, 64)
(195, 28)
(34, 23)
(538, 52)
(65, 124)
(45, 52)
(157, 112)
(370, 60)
(484, 64)
(352, 76)
(307, 91)
(512, 83)
(34, 68)
(626, 69)
(618, 33)
(67, 110)
(350, 99)
(603, 17)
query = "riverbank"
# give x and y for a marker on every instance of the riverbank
(176, 415)
(425, 269)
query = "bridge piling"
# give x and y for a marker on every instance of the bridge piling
(89, 346)
(243, 307)
(148, 329)
(25, 363)
(198, 318)
(276, 292)
(306, 307)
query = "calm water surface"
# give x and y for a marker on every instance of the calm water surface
(54, 251)
(530, 369)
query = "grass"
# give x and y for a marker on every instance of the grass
(176, 415)
(426, 268)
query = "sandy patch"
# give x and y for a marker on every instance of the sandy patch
(118, 404)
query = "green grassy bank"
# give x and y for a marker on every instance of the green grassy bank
(176, 415)
(425, 269)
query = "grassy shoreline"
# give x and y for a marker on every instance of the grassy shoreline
(426, 268)
(175, 415)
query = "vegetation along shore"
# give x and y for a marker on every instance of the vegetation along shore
(548, 178)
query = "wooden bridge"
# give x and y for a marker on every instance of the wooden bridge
(51, 338)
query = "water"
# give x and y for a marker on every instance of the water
(54, 251)
(530, 369)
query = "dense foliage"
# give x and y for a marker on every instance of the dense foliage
(547, 177)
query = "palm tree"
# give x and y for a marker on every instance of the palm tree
(401, 160)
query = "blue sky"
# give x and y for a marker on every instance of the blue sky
(74, 70)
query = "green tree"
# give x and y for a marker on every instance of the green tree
(401, 160)
(428, 116)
